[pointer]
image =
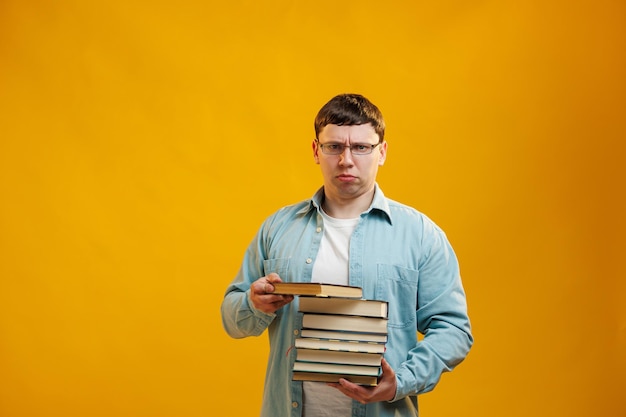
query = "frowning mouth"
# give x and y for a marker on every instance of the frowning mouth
(346, 177)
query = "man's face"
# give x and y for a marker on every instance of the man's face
(348, 176)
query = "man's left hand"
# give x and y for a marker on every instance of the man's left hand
(384, 391)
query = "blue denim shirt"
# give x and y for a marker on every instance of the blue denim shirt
(398, 255)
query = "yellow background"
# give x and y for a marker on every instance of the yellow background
(143, 142)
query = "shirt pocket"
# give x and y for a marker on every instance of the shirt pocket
(277, 265)
(281, 267)
(398, 286)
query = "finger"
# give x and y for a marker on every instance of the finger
(273, 277)
(351, 389)
(283, 300)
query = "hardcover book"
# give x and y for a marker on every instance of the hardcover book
(344, 336)
(326, 377)
(317, 289)
(338, 345)
(344, 323)
(337, 368)
(344, 306)
(334, 356)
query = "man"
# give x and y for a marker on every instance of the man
(350, 233)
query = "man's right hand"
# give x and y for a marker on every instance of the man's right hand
(262, 297)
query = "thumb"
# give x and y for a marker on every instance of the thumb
(386, 368)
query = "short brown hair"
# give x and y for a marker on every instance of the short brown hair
(348, 110)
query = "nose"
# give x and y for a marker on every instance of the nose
(345, 158)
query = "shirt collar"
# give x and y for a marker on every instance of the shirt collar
(379, 203)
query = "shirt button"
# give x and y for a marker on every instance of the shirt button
(296, 332)
(294, 404)
(309, 260)
(319, 229)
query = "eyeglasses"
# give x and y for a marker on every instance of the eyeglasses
(355, 148)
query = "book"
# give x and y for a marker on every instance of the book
(337, 368)
(338, 345)
(344, 336)
(317, 289)
(345, 323)
(344, 306)
(333, 356)
(326, 377)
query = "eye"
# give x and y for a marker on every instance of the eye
(360, 147)
(333, 146)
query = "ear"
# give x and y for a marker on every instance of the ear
(383, 153)
(316, 149)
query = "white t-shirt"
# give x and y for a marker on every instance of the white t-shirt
(331, 267)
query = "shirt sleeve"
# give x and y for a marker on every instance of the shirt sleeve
(441, 317)
(239, 316)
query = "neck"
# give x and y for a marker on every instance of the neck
(347, 209)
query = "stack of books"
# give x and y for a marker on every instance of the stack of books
(342, 335)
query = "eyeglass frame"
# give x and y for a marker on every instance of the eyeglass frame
(343, 148)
